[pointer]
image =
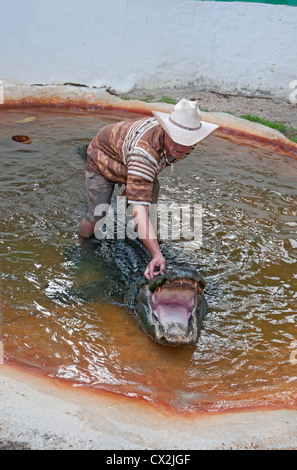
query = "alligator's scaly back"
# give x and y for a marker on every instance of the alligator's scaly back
(169, 308)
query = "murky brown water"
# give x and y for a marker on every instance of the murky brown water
(248, 258)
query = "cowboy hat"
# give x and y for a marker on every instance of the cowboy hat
(184, 125)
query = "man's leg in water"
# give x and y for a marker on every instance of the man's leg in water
(86, 228)
(99, 191)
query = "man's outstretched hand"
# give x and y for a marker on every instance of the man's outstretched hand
(155, 267)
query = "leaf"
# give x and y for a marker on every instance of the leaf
(28, 119)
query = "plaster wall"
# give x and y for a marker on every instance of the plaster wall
(231, 47)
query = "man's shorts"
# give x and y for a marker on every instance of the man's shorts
(99, 191)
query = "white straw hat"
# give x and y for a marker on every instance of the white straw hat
(184, 125)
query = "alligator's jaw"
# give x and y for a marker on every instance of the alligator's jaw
(173, 312)
(173, 306)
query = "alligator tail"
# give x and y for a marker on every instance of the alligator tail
(82, 151)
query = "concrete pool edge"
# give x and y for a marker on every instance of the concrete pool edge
(42, 414)
(81, 97)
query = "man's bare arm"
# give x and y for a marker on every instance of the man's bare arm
(148, 237)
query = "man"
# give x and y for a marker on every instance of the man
(133, 153)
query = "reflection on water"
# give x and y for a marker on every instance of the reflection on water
(248, 258)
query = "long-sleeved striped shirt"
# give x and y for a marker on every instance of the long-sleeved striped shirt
(131, 153)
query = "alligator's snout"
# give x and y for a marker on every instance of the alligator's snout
(171, 307)
(174, 306)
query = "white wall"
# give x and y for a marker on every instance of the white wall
(235, 47)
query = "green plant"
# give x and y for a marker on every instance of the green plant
(289, 132)
(279, 126)
(166, 99)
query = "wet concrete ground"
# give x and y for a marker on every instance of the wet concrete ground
(42, 414)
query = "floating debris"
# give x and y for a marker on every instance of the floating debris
(22, 139)
(28, 119)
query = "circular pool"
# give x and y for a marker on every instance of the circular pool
(248, 258)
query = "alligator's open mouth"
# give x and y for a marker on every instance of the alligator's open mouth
(173, 308)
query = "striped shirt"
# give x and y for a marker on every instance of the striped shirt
(131, 153)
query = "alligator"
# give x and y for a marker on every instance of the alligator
(169, 307)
